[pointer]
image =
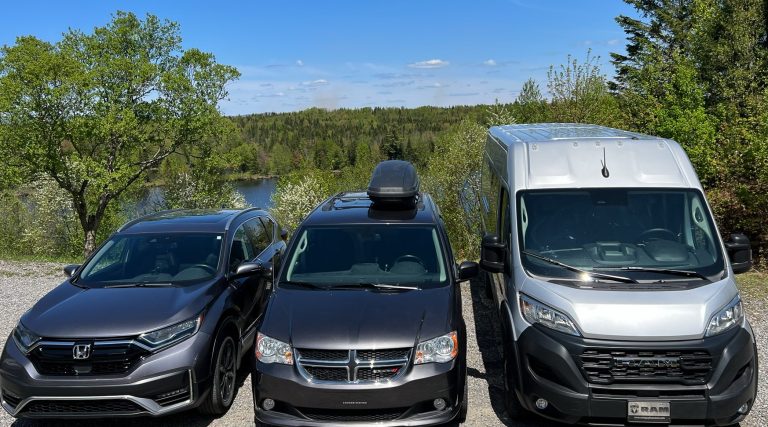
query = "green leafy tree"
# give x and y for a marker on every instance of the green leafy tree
(95, 112)
(531, 107)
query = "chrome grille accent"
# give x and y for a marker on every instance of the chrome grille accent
(352, 366)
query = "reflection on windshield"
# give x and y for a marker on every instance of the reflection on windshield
(153, 259)
(408, 256)
(647, 230)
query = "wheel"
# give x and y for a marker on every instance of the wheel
(515, 410)
(224, 387)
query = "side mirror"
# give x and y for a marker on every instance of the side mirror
(70, 269)
(493, 254)
(284, 234)
(468, 270)
(739, 252)
(252, 268)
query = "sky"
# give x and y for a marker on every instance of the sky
(332, 54)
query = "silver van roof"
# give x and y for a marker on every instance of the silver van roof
(539, 132)
(573, 155)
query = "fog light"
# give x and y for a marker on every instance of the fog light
(744, 408)
(439, 404)
(542, 404)
(268, 404)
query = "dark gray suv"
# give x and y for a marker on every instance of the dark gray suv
(156, 321)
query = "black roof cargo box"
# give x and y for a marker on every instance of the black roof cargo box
(394, 182)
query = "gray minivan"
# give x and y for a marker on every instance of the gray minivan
(615, 291)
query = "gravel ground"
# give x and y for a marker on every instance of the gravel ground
(23, 283)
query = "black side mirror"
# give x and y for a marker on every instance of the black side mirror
(493, 254)
(252, 268)
(468, 270)
(284, 234)
(70, 269)
(739, 252)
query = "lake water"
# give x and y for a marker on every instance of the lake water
(257, 193)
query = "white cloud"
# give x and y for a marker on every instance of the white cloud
(299, 62)
(313, 83)
(431, 63)
(490, 62)
(613, 42)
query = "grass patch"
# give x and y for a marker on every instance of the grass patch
(753, 285)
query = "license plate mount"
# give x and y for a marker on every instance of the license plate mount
(648, 411)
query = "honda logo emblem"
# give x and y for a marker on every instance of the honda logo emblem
(81, 351)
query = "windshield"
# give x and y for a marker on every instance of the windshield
(633, 232)
(367, 254)
(168, 258)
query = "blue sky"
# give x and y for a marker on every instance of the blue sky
(332, 54)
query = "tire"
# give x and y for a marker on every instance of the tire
(224, 387)
(515, 410)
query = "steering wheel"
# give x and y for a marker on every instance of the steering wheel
(658, 232)
(205, 267)
(411, 258)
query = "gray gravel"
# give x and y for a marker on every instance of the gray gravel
(23, 283)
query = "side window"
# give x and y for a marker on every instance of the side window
(258, 236)
(242, 249)
(269, 225)
(489, 197)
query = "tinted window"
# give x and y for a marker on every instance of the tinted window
(154, 258)
(269, 225)
(615, 228)
(242, 249)
(258, 236)
(367, 254)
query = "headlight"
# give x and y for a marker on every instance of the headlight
(729, 317)
(173, 334)
(440, 349)
(270, 350)
(24, 338)
(536, 312)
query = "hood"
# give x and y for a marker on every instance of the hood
(358, 319)
(72, 312)
(662, 315)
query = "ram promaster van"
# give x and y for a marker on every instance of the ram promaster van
(616, 293)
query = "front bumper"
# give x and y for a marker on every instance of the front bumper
(166, 382)
(550, 368)
(405, 401)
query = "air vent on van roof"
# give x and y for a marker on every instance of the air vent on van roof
(394, 183)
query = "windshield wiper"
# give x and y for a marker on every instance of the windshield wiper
(371, 285)
(590, 274)
(140, 285)
(309, 285)
(670, 271)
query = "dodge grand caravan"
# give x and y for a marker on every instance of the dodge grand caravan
(615, 290)
(155, 322)
(365, 324)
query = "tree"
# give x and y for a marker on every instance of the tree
(530, 103)
(580, 93)
(95, 112)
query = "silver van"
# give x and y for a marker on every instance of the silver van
(615, 290)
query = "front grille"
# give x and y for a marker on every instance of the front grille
(327, 374)
(351, 366)
(11, 399)
(393, 354)
(353, 415)
(608, 366)
(78, 407)
(376, 374)
(310, 354)
(106, 358)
